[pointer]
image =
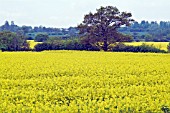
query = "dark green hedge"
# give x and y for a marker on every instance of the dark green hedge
(143, 48)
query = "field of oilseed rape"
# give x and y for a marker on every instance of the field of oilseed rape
(84, 82)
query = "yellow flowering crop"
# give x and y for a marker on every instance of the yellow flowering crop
(83, 82)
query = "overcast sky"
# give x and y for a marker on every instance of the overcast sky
(66, 13)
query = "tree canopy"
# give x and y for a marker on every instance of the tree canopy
(10, 41)
(100, 28)
(41, 37)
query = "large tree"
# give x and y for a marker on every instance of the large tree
(101, 27)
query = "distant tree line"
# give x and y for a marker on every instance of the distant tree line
(140, 31)
(149, 31)
(30, 32)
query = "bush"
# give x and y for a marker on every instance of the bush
(168, 47)
(42, 46)
(65, 45)
(76, 45)
(165, 109)
(41, 37)
(120, 47)
(73, 45)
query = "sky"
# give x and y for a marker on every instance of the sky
(70, 13)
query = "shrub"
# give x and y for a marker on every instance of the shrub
(165, 109)
(168, 47)
(120, 47)
(42, 46)
(41, 37)
(65, 45)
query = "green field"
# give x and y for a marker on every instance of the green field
(84, 82)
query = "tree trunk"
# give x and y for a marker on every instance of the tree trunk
(105, 46)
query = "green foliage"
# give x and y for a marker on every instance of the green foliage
(10, 41)
(165, 109)
(41, 37)
(149, 31)
(53, 39)
(74, 44)
(101, 27)
(54, 43)
(120, 47)
(168, 47)
(141, 31)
